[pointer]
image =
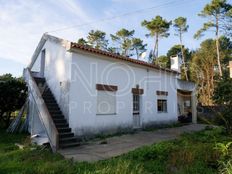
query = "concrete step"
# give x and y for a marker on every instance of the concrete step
(47, 91)
(61, 125)
(67, 140)
(58, 117)
(49, 101)
(52, 104)
(55, 112)
(51, 108)
(66, 135)
(48, 94)
(48, 97)
(59, 120)
(62, 130)
(67, 145)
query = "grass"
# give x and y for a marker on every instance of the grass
(191, 154)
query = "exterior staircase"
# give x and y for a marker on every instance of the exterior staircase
(66, 137)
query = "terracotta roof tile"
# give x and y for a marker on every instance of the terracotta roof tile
(119, 57)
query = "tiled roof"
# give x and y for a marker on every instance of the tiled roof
(119, 57)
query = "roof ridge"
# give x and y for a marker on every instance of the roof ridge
(75, 45)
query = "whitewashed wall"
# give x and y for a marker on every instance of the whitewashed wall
(57, 72)
(88, 70)
(35, 124)
(72, 77)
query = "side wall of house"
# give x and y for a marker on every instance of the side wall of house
(89, 70)
(35, 124)
(57, 71)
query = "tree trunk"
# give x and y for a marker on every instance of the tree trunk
(137, 53)
(157, 48)
(217, 46)
(155, 52)
(183, 57)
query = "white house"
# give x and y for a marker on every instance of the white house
(80, 91)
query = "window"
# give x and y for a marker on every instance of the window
(135, 104)
(106, 99)
(106, 102)
(162, 105)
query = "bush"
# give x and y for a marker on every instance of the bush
(223, 97)
(12, 96)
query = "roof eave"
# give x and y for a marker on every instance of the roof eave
(75, 46)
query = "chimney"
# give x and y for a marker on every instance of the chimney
(230, 67)
(176, 63)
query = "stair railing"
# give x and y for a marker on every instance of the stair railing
(44, 114)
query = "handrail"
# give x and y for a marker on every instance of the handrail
(44, 114)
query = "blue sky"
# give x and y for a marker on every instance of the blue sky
(22, 23)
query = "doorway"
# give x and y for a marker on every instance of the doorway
(136, 111)
(42, 63)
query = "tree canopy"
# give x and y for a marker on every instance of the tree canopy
(158, 28)
(97, 39)
(180, 25)
(82, 41)
(123, 38)
(138, 46)
(216, 11)
(163, 61)
(202, 70)
(12, 97)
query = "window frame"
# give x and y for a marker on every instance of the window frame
(108, 90)
(136, 103)
(164, 105)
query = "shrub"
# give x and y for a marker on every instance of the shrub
(223, 97)
(12, 96)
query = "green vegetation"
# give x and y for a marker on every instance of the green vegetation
(192, 153)
(216, 12)
(203, 67)
(180, 25)
(12, 96)
(97, 39)
(158, 28)
(223, 97)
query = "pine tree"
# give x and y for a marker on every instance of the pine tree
(180, 25)
(158, 28)
(216, 12)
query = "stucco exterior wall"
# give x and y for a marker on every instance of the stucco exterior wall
(35, 124)
(57, 72)
(88, 70)
(72, 78)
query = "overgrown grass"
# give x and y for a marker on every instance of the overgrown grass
(191, 154)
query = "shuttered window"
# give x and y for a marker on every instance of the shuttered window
(106, 102)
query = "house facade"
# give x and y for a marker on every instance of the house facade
(100, 92)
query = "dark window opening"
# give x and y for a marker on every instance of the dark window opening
(135, 103)
(162, 105)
